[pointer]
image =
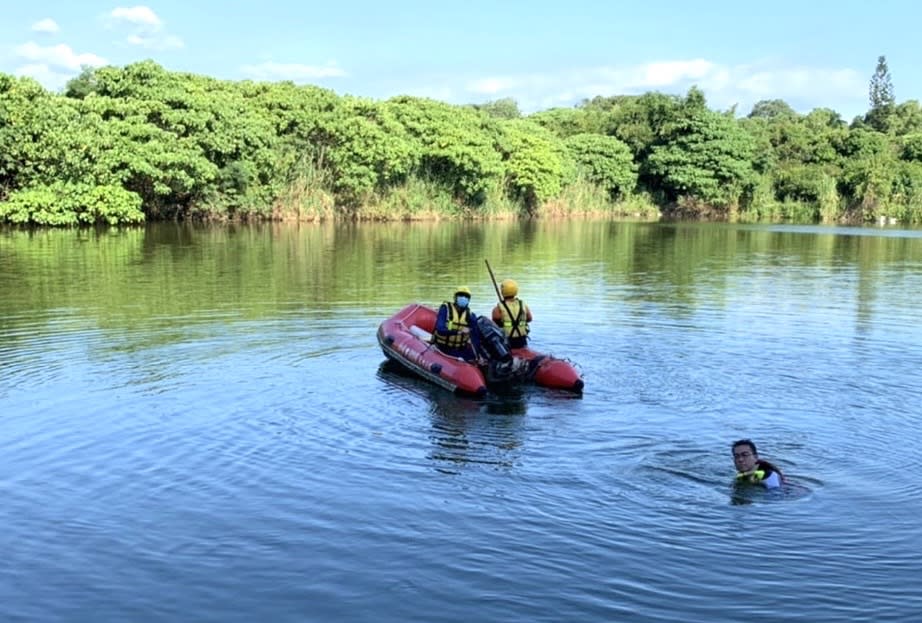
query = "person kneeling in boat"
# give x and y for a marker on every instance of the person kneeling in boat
(750, 469)
(456, 331)
(512, 314)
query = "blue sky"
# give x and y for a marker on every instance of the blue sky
(810, 53)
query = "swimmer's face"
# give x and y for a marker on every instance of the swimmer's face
(744, 458)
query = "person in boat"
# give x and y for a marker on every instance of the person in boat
(456, 331)
(512, 314)
(750, 469)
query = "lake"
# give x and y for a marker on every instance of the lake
(198, 424)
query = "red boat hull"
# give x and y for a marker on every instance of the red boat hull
(403, 339)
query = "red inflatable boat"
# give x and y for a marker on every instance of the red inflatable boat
(404, 338)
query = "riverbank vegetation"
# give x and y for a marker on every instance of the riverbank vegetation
(125, 145)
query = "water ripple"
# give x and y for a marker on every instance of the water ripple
(249, 454)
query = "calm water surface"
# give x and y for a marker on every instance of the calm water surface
(198, 424)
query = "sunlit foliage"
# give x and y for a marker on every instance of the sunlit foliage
(124, 144)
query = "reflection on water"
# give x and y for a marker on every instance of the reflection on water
(741, 493)
(203, 413)
(465, 430)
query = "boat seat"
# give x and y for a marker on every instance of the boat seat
(421, 333)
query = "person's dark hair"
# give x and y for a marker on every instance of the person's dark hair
(745, 442)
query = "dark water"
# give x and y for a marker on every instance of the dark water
(197, 425)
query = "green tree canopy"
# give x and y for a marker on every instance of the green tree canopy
(368, 148)
(457, 146)
(506, 108)
(535, 162)
(706, 156)
(567, 122)
(774, 110)
(606, 161)
(124, 143)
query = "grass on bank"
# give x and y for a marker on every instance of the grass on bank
(309, 197)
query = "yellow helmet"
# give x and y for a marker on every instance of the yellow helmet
(509, 288)
(463, 290)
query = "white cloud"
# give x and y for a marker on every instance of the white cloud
(664, 74)
(137, 15)
(59, 56)
(503, 84)
(45, 75)
(46, 25)
(602, 80)
(491, 86)
(145, 28)
(843, 90)
(156, 41)
(799, 79)
(295, 72)
(723, 85)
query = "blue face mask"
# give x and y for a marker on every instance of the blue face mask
(462, 301)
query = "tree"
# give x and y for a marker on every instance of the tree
(506, 108)
(456, 146)
(881, 89)
(82, 85)
(773, 110)
(368, 149)
(567, 122)
(906, 118)
(706, 156)
(911, 147)
(869, 171)
(880, 96)
(604, 160)
(536, 163)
